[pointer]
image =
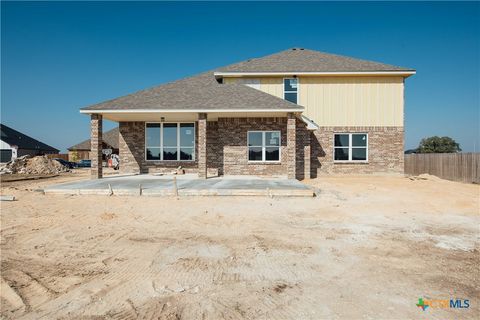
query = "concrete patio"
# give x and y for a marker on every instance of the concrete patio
(186, 185)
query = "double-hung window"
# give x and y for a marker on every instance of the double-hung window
(352, 147)
(170, 141)
(264, 146)
(290, 90)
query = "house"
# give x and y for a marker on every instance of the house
(15, 144)
(82, 150)
(297, 113)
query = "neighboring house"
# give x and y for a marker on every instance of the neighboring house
(296, 113)
(15, 144)
(82, 150)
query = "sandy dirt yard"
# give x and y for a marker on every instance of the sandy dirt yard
(364, 248)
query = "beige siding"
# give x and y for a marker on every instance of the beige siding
(346, 101)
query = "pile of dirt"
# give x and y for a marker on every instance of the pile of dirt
(39, 165)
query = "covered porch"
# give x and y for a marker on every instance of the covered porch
(208, 144)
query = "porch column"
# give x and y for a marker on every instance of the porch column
(96, 146)
(202, 145)
(291, 145)
(307, 155)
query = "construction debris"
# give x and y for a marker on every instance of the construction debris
(39, 165)
(179, 171)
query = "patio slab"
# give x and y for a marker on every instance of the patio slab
(151, 185)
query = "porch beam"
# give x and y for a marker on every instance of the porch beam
(96, 124)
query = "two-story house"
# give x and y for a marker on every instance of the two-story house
(297, 113)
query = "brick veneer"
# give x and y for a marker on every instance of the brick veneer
(96, 129)
(385, 151)
(227, 150)
(233, 149)
(202, 145)
(132, 152)
(291, 146)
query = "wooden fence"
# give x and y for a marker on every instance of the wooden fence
(464, 167)
(63, 156)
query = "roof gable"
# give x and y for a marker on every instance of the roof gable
(110, 138)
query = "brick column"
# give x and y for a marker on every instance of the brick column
(291, 146)
(202, 145)
(306, 161)
(96, 124)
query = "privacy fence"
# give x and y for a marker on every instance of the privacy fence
(464, 167)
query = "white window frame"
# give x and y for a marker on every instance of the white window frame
(179, 146)
(264, 146)
(298, 88)
(350, 147)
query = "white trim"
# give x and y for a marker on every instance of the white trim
(350, 147)
(179, 146)
(89, 111)
(264, 146)
(298, 88)
(326, 73)
(311, 125)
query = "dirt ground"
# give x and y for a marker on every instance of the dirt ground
(364, 248)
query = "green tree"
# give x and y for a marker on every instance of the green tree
(438, 145)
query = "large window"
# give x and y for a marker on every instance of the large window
(264, 146)
(170, 141)
(351, 147)
(290, 90)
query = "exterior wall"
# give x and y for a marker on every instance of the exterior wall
(345, 101)
(233, 149)
(132, 152)
(385, 151)
(227, 150)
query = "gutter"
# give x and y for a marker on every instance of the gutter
(90, 111)
(405, 73)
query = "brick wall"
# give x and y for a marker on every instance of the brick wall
(385, 151)
(233, 149)
(132, 152)
(96, 129)
(227, 151)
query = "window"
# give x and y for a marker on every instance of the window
(264, 146)
(290, 90)
(170, 141)
(351, 147)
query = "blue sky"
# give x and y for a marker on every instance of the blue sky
(59, 56)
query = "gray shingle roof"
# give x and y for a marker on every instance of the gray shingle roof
(198, 92)
(204, 92)
(110, 138)
(304, 60)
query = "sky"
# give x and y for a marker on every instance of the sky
(57, 57)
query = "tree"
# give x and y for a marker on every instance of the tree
(438, 145)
